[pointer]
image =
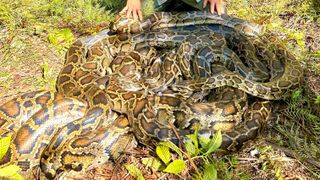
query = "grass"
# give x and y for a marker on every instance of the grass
(34, 36)
(296, 129)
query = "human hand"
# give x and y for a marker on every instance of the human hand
(214, 4)
(133, 9)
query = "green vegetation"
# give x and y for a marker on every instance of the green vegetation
(134, 171)
(11, 170)
(297, 125)
(36, 34)
(197, 148)
(28, 13)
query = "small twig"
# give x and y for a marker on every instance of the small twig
(117, 165)
(125, 176)
(176, 133)
(294, 155)
(247, 159)
(186, 154)
(305, 129)
(163, 176)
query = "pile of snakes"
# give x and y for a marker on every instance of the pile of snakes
(151, 81)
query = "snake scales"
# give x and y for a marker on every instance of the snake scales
(149, 81)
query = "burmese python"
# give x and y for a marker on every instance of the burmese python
(159, 75)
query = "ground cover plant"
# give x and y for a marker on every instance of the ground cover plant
(34, 36)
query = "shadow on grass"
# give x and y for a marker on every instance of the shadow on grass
(316, 6)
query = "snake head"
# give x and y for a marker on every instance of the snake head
(124, 24)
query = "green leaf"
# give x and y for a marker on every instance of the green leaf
(272, 26)
(4, 145)
(134, 171)
(11, 171)
(152, 162)
(214, 143)
(45, 71)
(16, 176)
(194, 139)
(172, 146)
(4, 75)
(317, 101)
(204, 141)
(298, 36)
(278, 173)
(191, 149)
(210, 172)
(177, 166)
(62, 38)
(234, 160)
(295, 95)
(163, 153)
(195, 136)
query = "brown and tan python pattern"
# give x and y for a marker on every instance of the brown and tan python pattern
(32, 119)
(154, 80)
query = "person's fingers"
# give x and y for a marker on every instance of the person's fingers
(129, 13)
(218, 6)
(205, 2)
(140, 15)
(212, 5)
(135, 15)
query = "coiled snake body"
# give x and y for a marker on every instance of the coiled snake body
(152, 81)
